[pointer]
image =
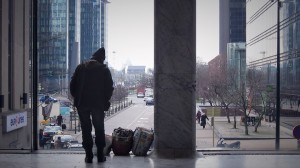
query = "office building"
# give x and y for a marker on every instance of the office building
(53, 44)
(232, 23)
(261, 50)
(69, 31)
(236, 65)
(93, 25)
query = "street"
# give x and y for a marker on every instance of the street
(140, 115)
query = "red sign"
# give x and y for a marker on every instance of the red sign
(296, 132)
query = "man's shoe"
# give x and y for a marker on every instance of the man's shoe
(100, 155)
(89, 157)
(88, 160)
(102, 159)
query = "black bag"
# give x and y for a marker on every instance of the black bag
(202, 124)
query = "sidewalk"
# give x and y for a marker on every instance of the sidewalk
(264, 131)
(264, 139)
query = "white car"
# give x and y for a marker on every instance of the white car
(140, 95)
(148, 97)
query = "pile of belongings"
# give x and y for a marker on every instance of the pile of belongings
(122, 140)
(142, 140)
(125, 140)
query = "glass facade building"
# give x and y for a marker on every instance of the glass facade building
(53, 40)
(92, 26)
(232, 23)
(69, 31)
(262, 51)
(236, 64)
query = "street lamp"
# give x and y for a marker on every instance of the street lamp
(277, 144)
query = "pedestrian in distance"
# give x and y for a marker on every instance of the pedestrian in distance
(203, 120)
(41, 138)
(59, 120)
(198, 116)
(57, 143)
(91, 87)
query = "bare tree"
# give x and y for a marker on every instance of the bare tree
(239, 94)
(119, 93)
(221, 88)
(262, 95)
(201, 81)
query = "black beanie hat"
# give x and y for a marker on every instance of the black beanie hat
(99, 55)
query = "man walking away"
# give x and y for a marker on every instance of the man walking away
(203, 120)
(91, 87)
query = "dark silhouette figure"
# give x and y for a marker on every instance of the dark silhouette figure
(91, 87)
(41, 138)
(59, 119)
(203, 120)
(198, 116)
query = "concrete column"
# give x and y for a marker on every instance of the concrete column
(174, 91)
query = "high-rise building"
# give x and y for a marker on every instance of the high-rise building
(236, 65)
(53, 44)
(69, 31)
(232, 23)
(74, 34)
(261, 48)
(93, 24)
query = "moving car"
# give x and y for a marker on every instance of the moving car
(140, 95)
(43, 98)
(147, 97)
(150, 101)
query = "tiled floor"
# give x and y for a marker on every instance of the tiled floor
(201, 160)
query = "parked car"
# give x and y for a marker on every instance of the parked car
(61, 141)
(45, 97)
(74, 144)
(150, 101)
(51, 130)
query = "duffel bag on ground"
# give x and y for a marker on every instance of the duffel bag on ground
(142, 140)
(122, 141)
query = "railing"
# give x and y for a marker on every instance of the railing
(117, 106)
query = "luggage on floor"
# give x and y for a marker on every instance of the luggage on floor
(122, 140)
(142, 140)
(107, 148)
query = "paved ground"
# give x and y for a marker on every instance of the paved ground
(264, 139)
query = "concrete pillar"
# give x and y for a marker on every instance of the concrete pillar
(174, 91)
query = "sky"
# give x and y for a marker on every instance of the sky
(130, 32)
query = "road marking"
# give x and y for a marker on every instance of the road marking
(138, 117)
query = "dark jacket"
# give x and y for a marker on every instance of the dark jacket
(91, 85)
(203, 118)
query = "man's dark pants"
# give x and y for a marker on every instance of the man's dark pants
(97, 115)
